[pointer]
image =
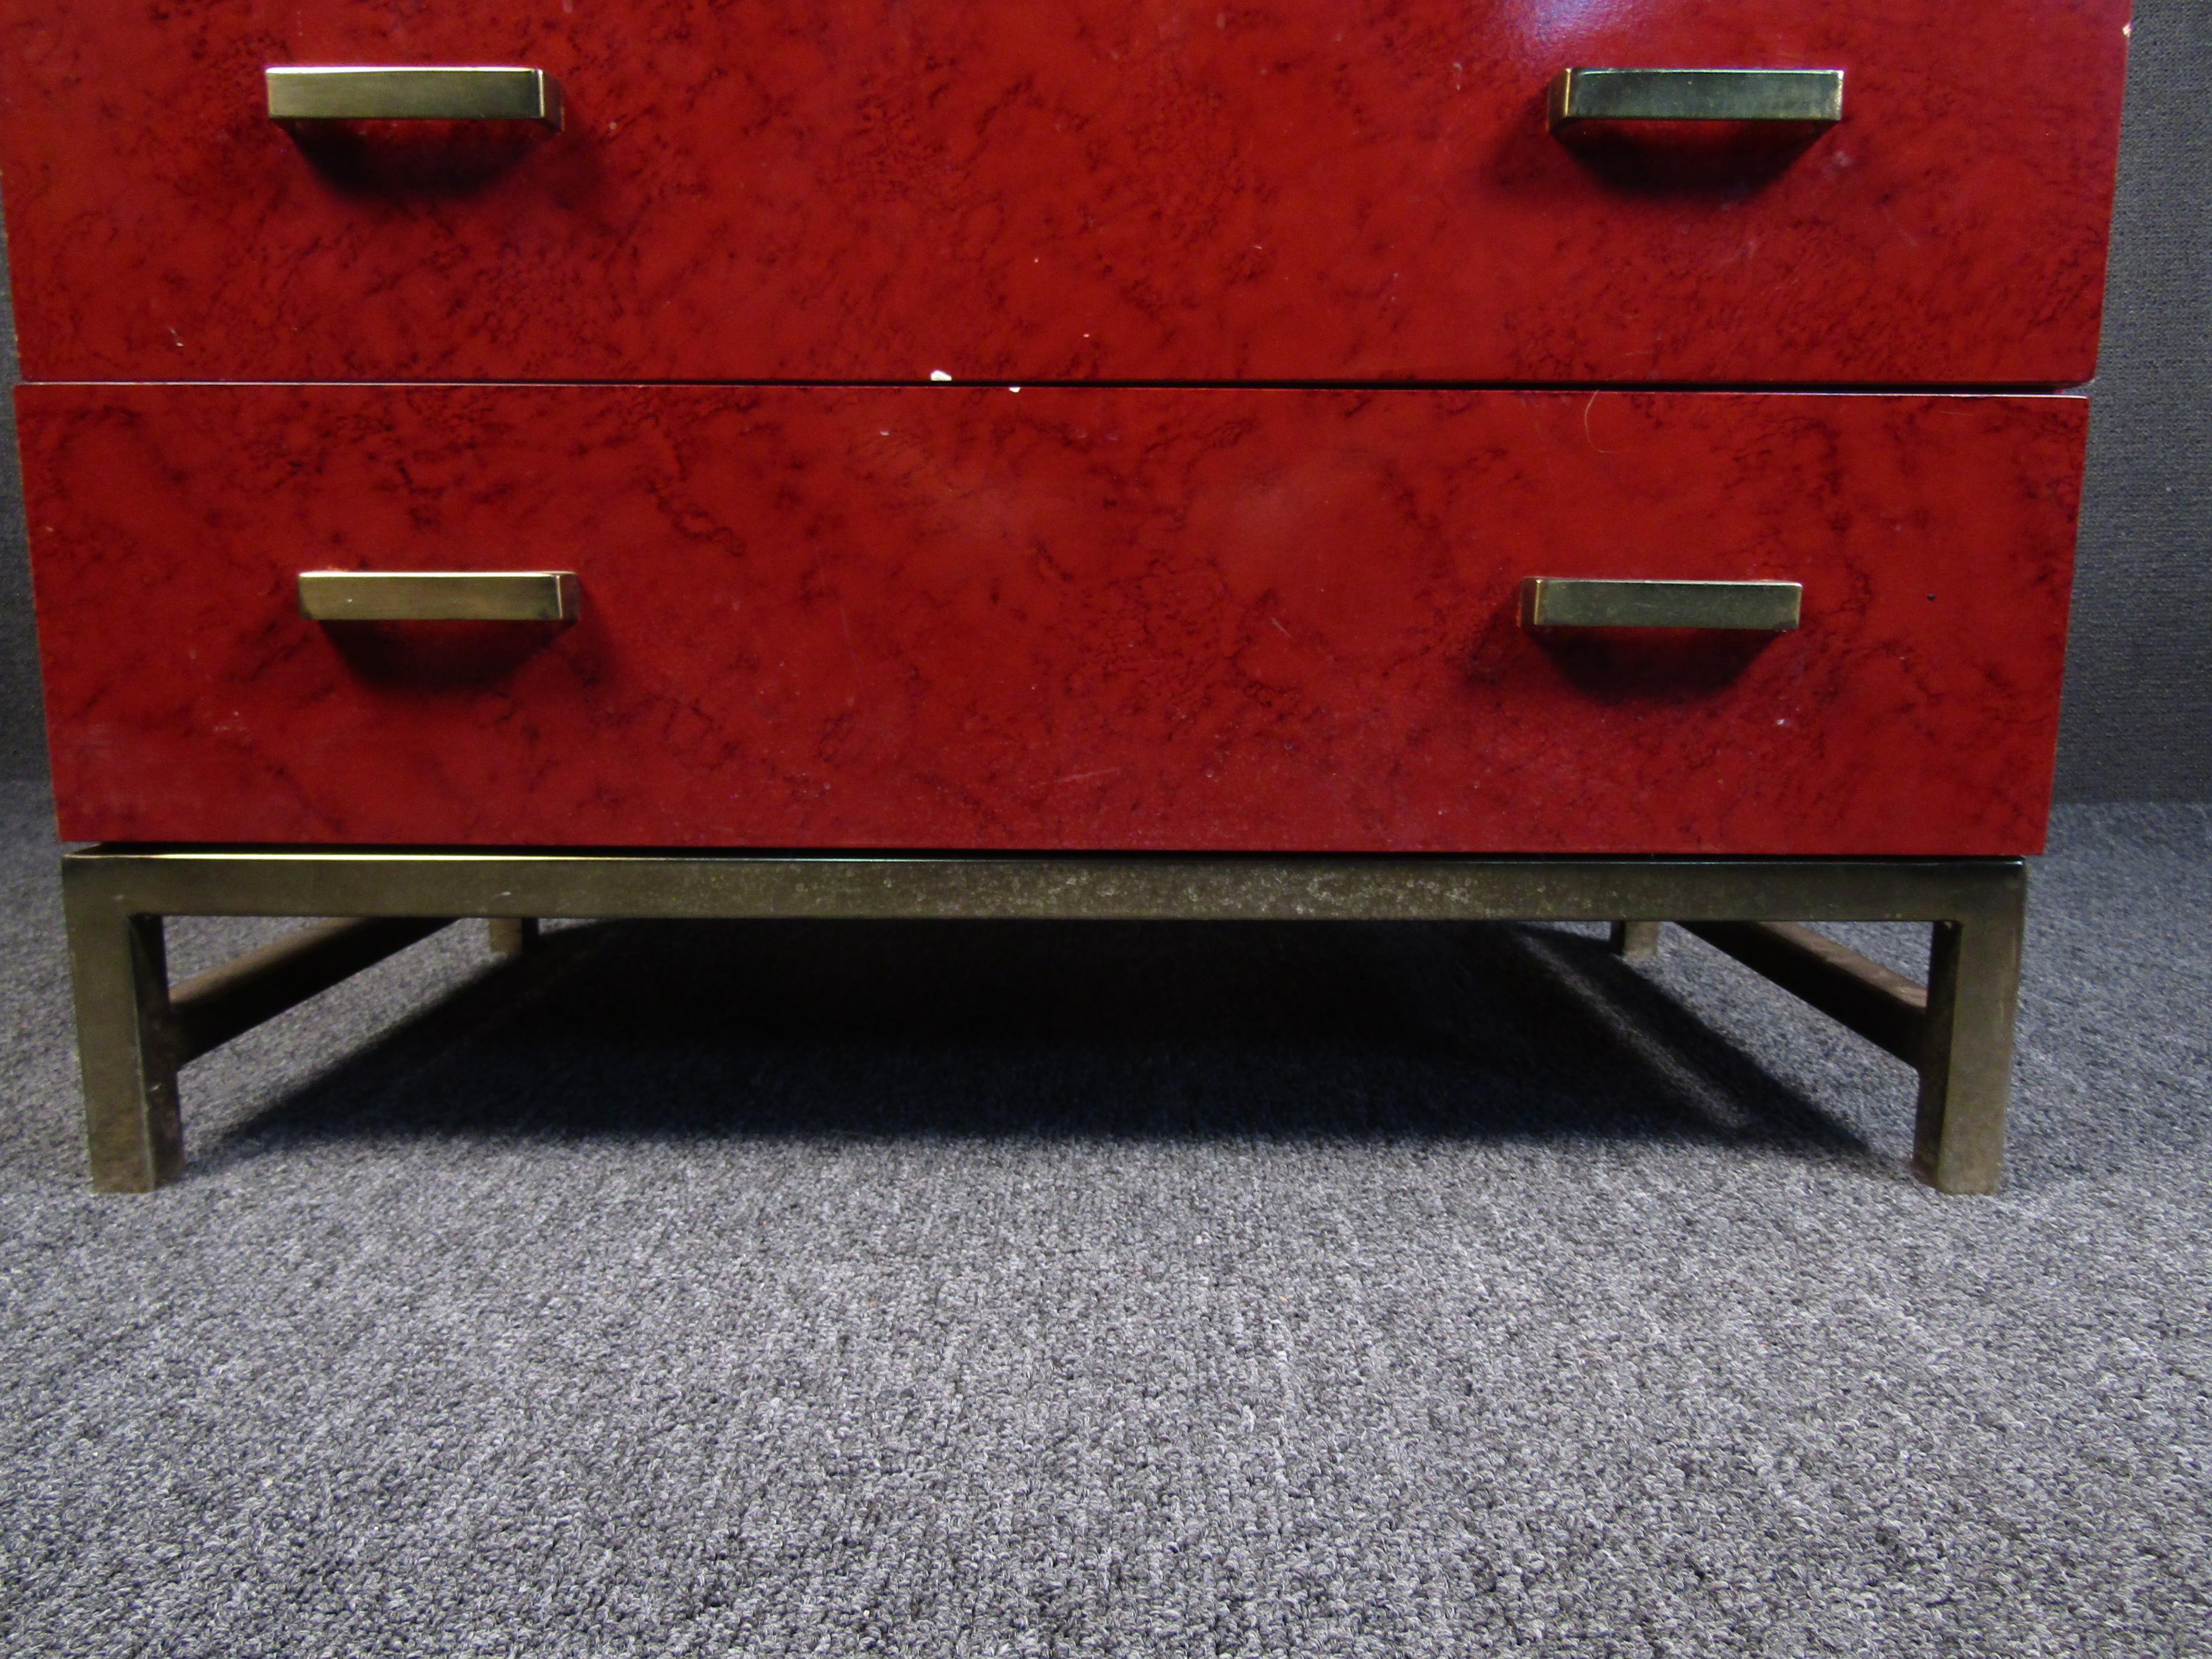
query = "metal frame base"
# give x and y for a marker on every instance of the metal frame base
(135, 1028)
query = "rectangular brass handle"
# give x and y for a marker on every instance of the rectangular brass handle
(1697, 94)
(306, 93)
(1566, 602)
(525, 596)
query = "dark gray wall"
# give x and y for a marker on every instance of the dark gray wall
(2138, 721)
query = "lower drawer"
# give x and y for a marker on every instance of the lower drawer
(1053, 618)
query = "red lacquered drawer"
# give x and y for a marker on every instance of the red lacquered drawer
(955, 618)
(1290, 189)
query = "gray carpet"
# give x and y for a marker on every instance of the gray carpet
(970, 1290)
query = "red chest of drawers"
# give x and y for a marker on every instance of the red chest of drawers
(1415, 443)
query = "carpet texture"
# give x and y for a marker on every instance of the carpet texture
(1057, 1290)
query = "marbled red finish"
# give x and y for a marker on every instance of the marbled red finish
(955, 618)
(1047, 190)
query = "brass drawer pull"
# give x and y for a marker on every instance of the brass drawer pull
(524, 596)
(1697, 94)
(1563, 602)
(298, 93)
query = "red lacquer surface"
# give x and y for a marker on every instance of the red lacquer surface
(1283, 190)
(1054, 619)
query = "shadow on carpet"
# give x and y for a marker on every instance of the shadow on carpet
(1094, 1030)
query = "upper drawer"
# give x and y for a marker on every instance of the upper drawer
(1002, 189)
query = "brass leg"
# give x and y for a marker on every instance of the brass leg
(134, 1031)
(122, 985)
(510, 936)
(1965, 1067)
(1637, 939)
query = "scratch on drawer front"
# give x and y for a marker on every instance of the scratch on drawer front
(1587, 433)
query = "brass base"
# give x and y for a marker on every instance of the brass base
(135, 1028)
